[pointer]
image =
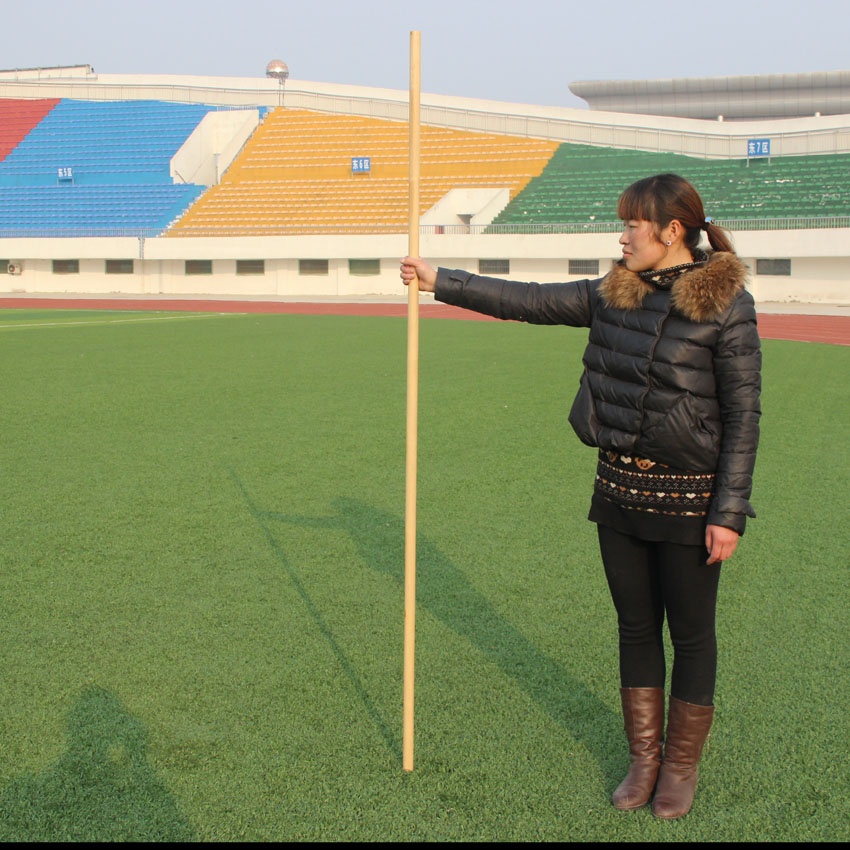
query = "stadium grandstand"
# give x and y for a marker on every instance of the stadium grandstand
(243, 187)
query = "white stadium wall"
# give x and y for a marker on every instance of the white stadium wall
(212, 146)
(820, 263)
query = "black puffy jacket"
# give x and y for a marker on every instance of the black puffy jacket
(670, 374)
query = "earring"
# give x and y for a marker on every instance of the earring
(669, 243)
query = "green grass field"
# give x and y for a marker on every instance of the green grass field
(201, 599)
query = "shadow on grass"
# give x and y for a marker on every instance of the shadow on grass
(392, 740)
(446, 593)
(101, 789)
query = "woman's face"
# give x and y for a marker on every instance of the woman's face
(642, 249)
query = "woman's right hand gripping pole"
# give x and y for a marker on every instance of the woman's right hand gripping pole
(415, 267)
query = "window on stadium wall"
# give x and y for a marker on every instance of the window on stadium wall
(587, 267)
(364, 267)
(312, 267)
(494, 267)
(198, 267)
(773, 267)
(250, 267)
(119, 267)
(66, 267)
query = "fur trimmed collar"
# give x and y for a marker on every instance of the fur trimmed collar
(701, 294)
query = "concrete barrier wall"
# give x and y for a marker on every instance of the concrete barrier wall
(212, 146)
(820, 263)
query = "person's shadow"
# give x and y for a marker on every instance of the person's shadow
(445, 592)
(101, 789)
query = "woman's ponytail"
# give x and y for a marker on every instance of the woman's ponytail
(717, 237)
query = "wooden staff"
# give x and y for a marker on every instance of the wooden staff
(412, 409)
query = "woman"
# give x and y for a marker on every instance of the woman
(670, 397)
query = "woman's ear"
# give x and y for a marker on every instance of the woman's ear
(675, 230)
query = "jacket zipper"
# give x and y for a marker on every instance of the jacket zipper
(649, 369)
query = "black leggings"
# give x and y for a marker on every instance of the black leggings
(646, 579)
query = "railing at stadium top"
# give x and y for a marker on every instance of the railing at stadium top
(827, 135)
(577, 228)
(567, 228)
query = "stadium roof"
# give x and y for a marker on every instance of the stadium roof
(735, 98)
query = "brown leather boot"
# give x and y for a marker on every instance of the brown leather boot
(643, 713)
(688, 726)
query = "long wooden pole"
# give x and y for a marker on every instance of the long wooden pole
(412, 411)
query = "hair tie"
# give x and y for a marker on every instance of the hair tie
(706, 223)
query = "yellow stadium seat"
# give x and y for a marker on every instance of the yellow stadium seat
(294, 175)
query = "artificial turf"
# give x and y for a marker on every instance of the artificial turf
(201, 598)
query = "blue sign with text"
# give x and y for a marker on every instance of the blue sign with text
(758, 147)
(361, 164)
(65, 174)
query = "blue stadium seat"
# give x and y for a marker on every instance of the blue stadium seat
(92, 210)
(119, 156)
(97, 140)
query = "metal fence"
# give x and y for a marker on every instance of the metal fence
(736, 224)
(79, 233)
(565, 228)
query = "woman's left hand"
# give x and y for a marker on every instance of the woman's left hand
(720, 542)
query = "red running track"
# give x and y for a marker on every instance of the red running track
(805, 328)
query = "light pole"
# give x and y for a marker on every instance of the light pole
(278, 70)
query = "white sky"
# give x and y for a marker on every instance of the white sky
(519, 50)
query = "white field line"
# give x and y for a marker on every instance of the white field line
(16, 326)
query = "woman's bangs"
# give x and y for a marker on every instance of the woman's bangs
(637, 203)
